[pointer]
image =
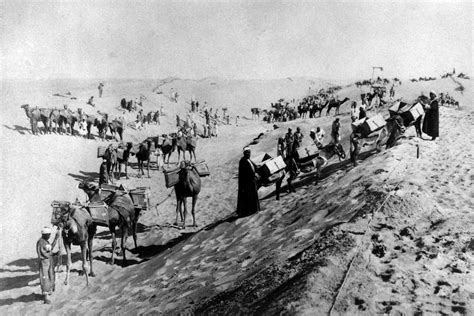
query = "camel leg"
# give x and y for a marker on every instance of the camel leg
(126, 169)
(84, 250)
(148, 167)
(67, 245)
(184, 212)
(114, 244)
(134, 228)
(195, 197)
(90, 244)
(124, 242)
(178, 209)
(278, 186)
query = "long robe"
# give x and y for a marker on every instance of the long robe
(46, 266)
(431, 122)
(247, 198)
(103, 175)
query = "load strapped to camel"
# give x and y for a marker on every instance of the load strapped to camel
(141, 197)
(366, 126)
(409, 112)
(270, 169)
(97, 210)
(99, 213)
(172, 175)
(101, 151)
(202, 168)
(307, 152)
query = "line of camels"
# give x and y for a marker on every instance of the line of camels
(62, 121)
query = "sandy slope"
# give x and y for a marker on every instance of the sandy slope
(413, 254)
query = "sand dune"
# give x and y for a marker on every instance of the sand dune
(403, 225)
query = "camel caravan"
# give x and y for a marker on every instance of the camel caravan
(63, 121)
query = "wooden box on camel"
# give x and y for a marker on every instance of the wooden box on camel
(107, 190)
(171, 177)
(367, 126)
(202, 169)
(307, 151)
(412, 114)
(101, 151)
(272, 166)
(141, 197)
(99, 213)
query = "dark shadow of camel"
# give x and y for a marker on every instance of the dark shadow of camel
(85, 176)
(20, 129)
(31, 264)
(22, 299)
(16, 281)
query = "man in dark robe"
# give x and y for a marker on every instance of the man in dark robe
(247, 198)
(431, 121)
(46, 263)
(103, 174)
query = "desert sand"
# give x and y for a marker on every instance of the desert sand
(392, 235)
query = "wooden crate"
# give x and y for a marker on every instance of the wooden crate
(99, 213)
(202, 169)
(101, 151)
(372, 124)
(272, 166)
(141, 197)
(171, 177)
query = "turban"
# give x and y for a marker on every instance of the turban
(46, 231)
(246, 149)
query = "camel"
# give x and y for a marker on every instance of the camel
(255, 113)
(58, 120)
(189, 185)
(168, 147)
(34, 116)
(186, 144)
(90, 120)
(69, 118)
(335, 104)
(77, 229)
(102, 125)
(121, 213)
(117, 127)
(123, 160)
(143, 155)
(111, 158)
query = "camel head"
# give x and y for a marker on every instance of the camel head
(61, 212)
(88, 187)
(25, 106)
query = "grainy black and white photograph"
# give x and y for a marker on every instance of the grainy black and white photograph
(236, 158)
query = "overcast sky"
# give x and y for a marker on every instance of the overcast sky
(144, 39)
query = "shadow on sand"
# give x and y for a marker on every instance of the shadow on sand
(85, 176)
(20, 129)
(22, 299)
